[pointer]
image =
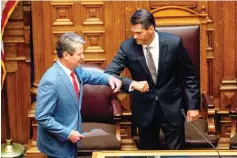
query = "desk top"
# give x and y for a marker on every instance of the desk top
(167, 153)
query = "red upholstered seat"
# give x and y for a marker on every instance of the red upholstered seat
(99, 109)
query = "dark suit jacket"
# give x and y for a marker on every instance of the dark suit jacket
(176, 75)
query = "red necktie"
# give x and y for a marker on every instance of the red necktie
(75, 85)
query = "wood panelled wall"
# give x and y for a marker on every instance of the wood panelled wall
(224, 66)
(16, 95)
(104, 25)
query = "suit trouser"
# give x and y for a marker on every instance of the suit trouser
(64, 156)
(149, 135)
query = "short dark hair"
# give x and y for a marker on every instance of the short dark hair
(67, 43)
(143, 17)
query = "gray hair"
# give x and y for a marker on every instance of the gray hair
(68, 43)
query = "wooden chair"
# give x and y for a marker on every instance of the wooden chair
(100, 109)
(233, 115)
(192, 28)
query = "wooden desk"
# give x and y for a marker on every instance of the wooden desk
(164, 153)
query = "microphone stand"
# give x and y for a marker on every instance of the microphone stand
(182, 111)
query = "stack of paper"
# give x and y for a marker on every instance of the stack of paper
(95, 132)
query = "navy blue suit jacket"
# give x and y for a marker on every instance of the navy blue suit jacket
(177, 85)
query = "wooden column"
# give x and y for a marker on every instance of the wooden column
(39, 69)
(16, 95)
(228, 87)
(229, 82)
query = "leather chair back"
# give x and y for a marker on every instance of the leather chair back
(191, 40)
(96, 102)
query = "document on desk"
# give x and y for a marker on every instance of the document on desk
(94, 133)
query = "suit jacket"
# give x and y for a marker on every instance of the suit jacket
(58, 109)
(176, 76)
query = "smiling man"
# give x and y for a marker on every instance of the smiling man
(162, 75)
(59, 98)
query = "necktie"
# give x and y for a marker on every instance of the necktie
(150, 64)
(74, 82)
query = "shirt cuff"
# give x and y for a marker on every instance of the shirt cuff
(69, 135)
(130, 88)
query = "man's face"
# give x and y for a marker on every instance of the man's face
(75, 59)
(141, 35)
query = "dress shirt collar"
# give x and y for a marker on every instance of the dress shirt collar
(66, 70)
(154, 43)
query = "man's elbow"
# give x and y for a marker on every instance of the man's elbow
(44, 121)
(39, 117)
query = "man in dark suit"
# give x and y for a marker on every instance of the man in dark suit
(163, 82)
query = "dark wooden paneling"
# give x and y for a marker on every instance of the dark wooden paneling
(217, 18)
(4, 116)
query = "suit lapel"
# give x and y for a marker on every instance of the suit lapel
(162, 54)
(141, 58)
(66, 81)
(80, 84)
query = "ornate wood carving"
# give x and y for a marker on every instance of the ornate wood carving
(39, 66)
(229, 83)
(62, 13)
(92, 13)
(210, 55)
(228, 86)
(94, 41)
(157, 4)
(17, 83)
(98, 62)
(225, 123)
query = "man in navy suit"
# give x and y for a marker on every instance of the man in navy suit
(164, 81)
(59, 98)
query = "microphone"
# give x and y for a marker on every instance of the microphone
(182, 111)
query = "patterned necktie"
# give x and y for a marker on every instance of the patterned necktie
(74, 82)
(150, 64)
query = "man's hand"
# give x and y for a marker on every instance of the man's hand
(141, 86)
(192, 115)
(115, 84)
(75, 136)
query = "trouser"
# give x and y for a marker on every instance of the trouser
(149, 135)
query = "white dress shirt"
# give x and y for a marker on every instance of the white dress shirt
(154, 49)
(68, 72)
